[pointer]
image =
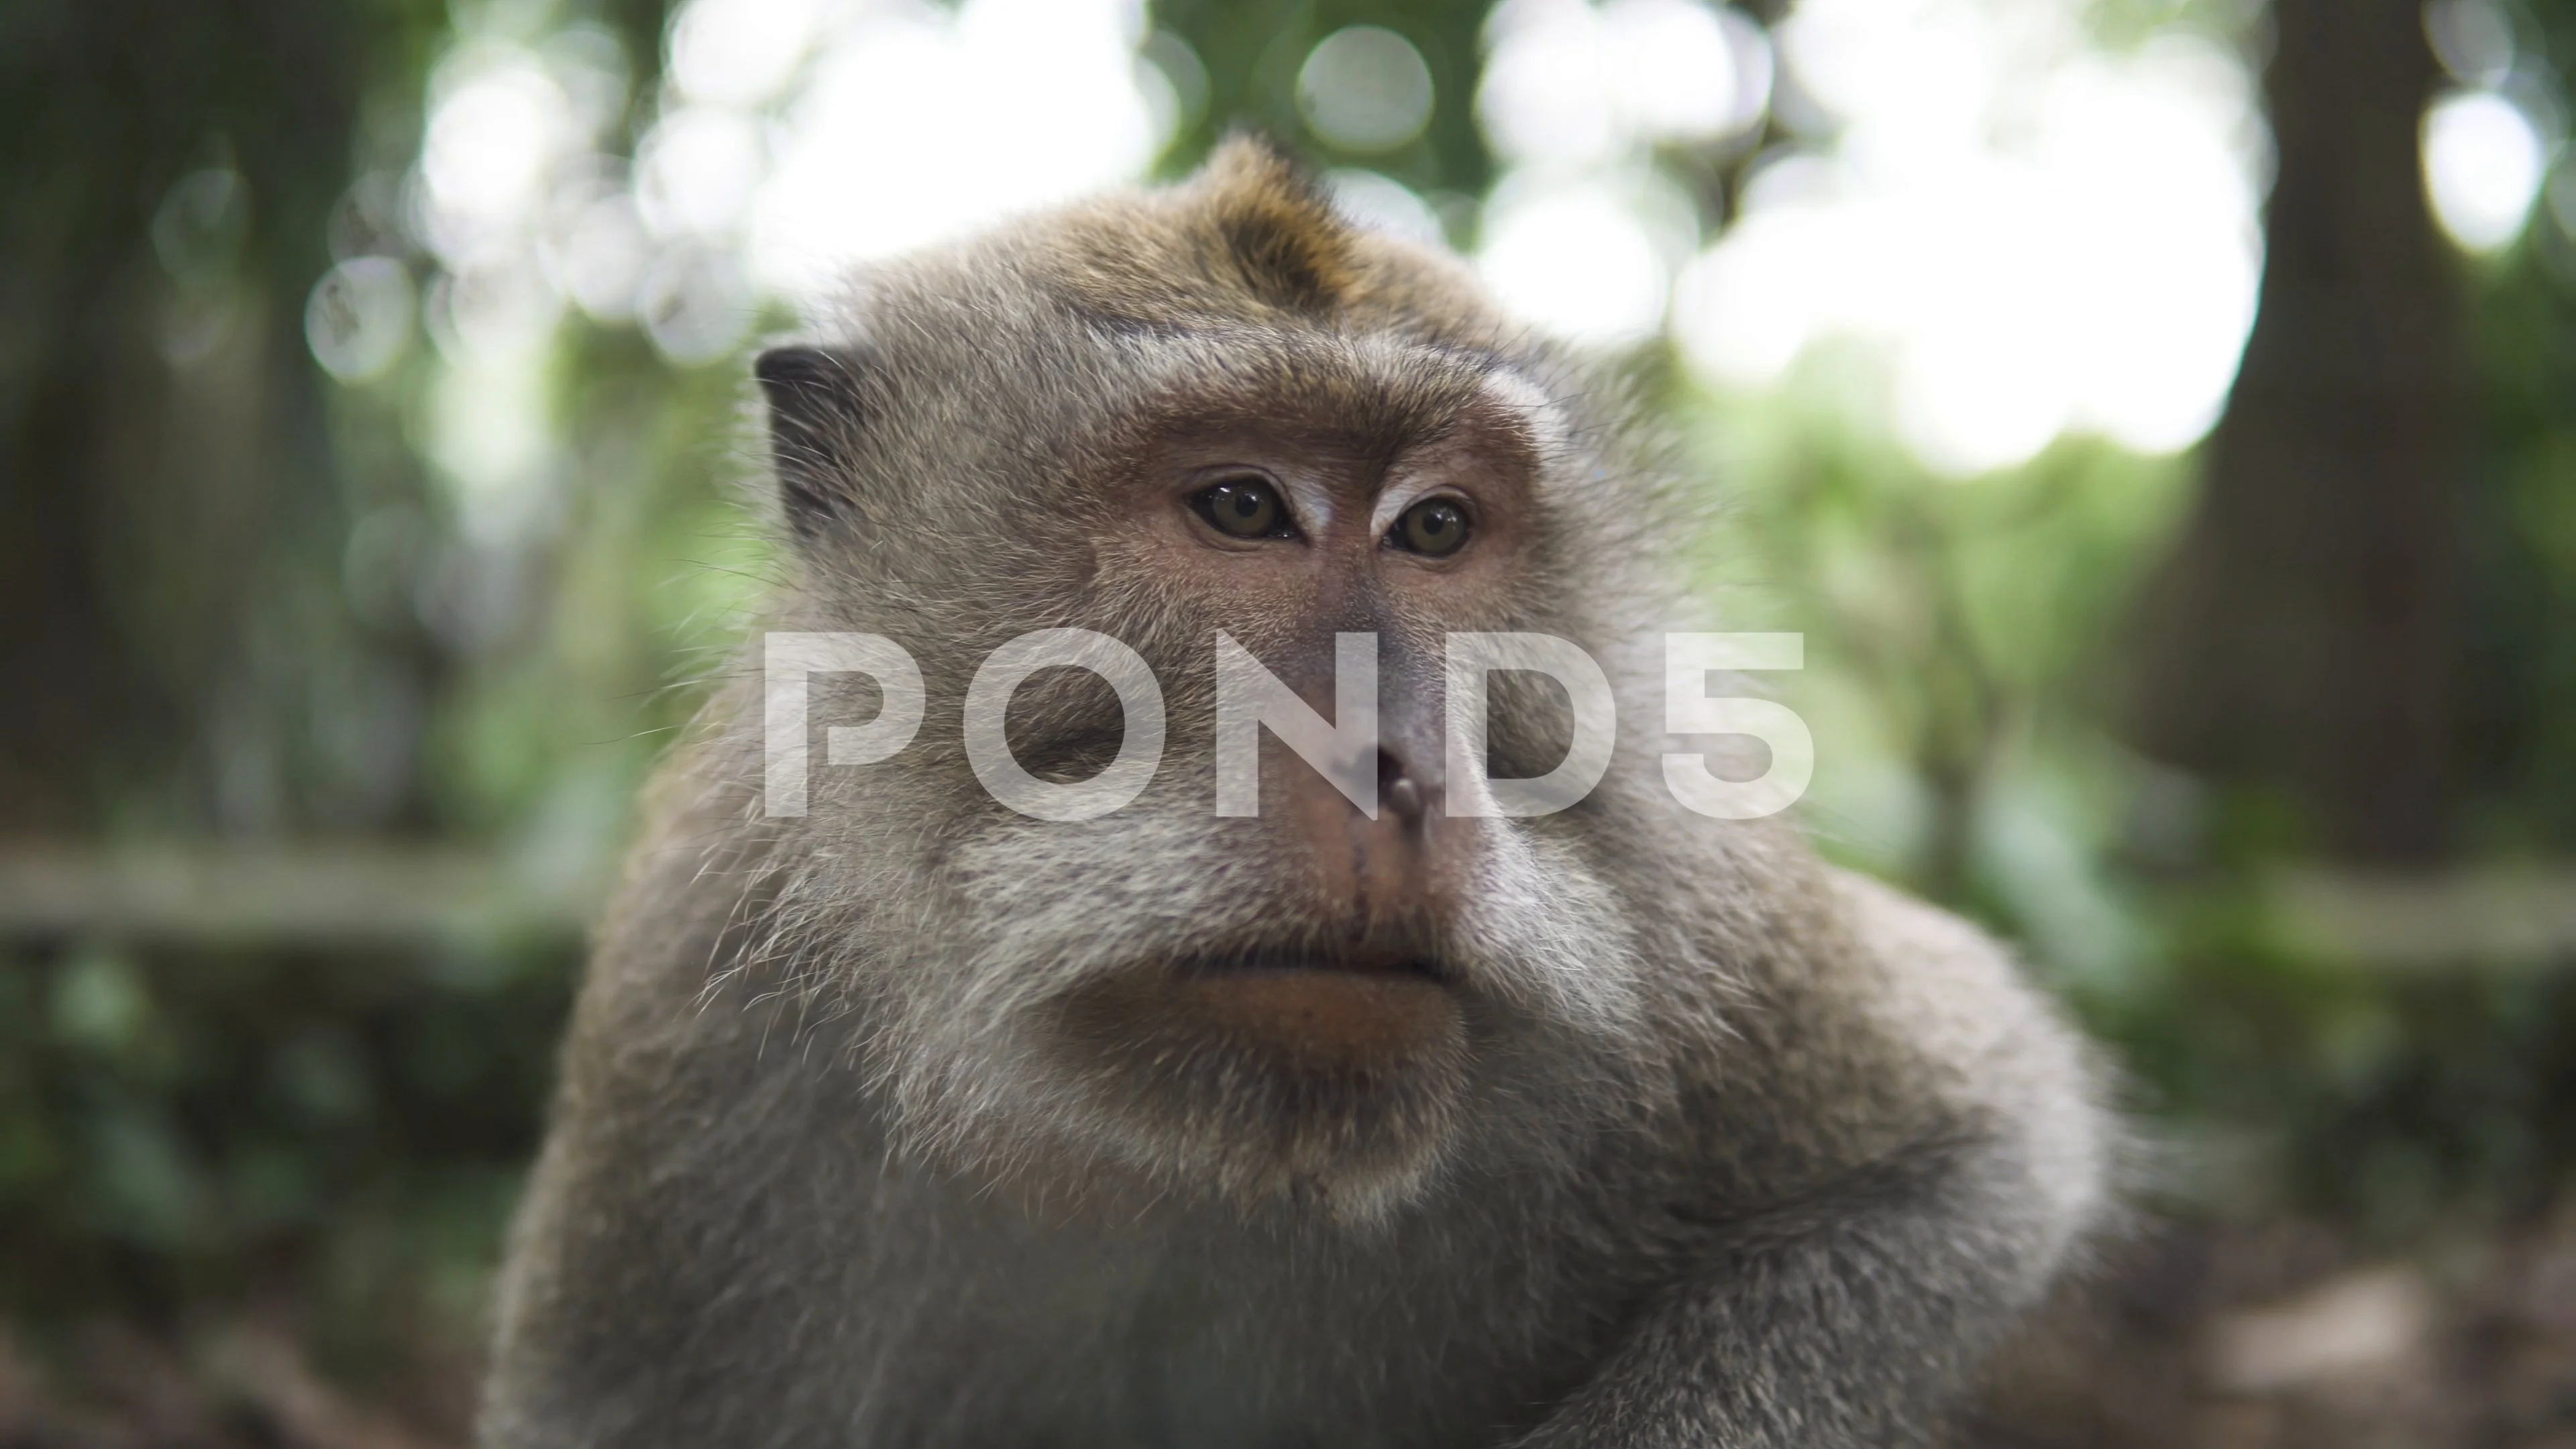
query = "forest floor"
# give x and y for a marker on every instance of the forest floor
(2284, 1336)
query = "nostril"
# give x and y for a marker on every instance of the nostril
(1405, 799)
(1397, 788)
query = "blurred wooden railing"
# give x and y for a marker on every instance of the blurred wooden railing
(333, 894)
(2488, 916)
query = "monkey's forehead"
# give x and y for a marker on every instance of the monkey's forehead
(1372, 393)
(1239, 296)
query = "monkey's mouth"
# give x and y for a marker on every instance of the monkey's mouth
(1347, 960)
(1331, 1008)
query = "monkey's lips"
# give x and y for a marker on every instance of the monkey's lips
(1356, 960)
(1332, 1011)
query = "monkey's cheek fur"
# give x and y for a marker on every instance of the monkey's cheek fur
(1345, 1085)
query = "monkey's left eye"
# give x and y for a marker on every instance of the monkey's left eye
(1435, 526)
(1244, 508)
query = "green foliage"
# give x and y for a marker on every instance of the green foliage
(185, 1128)
(1252, 52)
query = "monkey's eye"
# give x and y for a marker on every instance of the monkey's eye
(1435, 526)
(1244, 508)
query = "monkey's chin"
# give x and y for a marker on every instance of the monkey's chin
(1333, 1081)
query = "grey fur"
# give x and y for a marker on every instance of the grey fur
(1735, 1150)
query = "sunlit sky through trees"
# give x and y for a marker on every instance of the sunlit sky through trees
(2026, 227)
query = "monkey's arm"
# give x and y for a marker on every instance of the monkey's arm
(1852, 1311)
(1845, 1320)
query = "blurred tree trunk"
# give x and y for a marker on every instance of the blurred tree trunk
(2302, 634)
(165, 469)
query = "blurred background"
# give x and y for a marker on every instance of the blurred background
(2158, 415)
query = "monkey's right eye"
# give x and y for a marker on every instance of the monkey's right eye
(1244, 508)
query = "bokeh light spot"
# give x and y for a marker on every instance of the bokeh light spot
(1382, 203)
(2483, 165)
(358, 319)
(1365, 88)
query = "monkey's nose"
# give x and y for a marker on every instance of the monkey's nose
(1405, 789)
(1395, 866)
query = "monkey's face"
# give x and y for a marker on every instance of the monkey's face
(1317, 999)
(1332, 997)
(1328, 1024)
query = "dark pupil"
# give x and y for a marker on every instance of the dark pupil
(1435, 528)
(1246, 509)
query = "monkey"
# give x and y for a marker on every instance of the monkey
(914, 1119)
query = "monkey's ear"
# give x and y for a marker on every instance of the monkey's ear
(1290, 246)
(816, 420)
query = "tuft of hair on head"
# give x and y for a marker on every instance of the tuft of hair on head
(1286, 243)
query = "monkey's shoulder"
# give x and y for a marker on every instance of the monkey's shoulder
(1894, 1028)
(1959, 999)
